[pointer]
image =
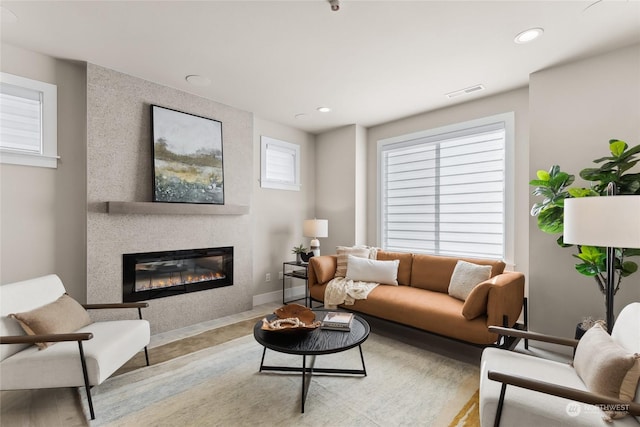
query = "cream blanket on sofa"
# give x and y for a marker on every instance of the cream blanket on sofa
(345, 291)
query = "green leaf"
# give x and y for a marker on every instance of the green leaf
(551, 220)
(591, 254)
(586, 269)
(538, 183)
(543, 175)
(631, 252)
(628, 268)
(617, 147)
(582, 192)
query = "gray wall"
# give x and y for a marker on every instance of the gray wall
(119, 169)
(340, 180)
(42, 210)
(575, 109)
(278, 214)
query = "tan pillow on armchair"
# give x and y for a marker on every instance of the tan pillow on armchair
(605, 367)
(63, 316)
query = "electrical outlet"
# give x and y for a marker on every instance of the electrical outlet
(267, 277)
(280, 275)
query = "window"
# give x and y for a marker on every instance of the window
(28, 122)
(443, 191)
(279, 164)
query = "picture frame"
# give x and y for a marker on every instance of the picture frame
(187, 157)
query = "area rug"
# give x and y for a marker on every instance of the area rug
(221, 386)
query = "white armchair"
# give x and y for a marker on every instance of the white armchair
(518, 389)
(83, 357)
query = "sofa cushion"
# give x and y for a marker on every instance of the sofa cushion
(371, 270)
(343, 253)
(605, 367)
(476, 303)
(433, 272)
(404, 269)
(467, 276)
(64, 315)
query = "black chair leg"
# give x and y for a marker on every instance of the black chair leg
(496, 423)
(146, 355)
(86, 380)
(526, 322)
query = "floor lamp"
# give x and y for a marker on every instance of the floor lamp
(605, 221)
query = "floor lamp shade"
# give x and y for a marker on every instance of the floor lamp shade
(315, 228)
(606, 221)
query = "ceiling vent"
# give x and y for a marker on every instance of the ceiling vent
(465, 91)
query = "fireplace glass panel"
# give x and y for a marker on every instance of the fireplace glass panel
(160, 274)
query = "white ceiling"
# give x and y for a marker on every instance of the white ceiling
(371, 62)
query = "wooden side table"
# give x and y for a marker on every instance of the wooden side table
(298, 271)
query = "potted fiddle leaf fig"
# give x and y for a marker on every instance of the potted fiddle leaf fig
(554, 186)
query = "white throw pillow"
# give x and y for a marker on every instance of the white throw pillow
(371, 270)
(465, 277)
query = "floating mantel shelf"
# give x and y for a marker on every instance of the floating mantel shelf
(156, 208)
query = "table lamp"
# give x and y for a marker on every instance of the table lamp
(315, 228)
(605, 221)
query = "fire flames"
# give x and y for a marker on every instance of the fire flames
(176, 280)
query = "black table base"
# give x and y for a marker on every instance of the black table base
(307, 372)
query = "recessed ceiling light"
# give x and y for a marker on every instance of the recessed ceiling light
(7, 16)
(323, 109)
(528, 35)
(196, 80)
(301, 116)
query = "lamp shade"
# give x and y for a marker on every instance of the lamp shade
(315, 228)
(606, 221)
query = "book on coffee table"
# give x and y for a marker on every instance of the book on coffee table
(337, 321)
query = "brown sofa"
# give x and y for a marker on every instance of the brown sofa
(421, 299)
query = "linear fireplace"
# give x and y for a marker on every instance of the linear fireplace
(161, 274)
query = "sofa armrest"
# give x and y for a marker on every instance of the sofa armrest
(506, 297)
(321, 269)
(509, 332)
(562, 391)
(32, 339)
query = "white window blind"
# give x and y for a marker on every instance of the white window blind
(280, 164)
(445, 194)
(28, 121)
(21, 118)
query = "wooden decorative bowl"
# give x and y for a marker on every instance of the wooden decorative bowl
(291, 318)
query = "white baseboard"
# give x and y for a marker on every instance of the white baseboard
(276, 296)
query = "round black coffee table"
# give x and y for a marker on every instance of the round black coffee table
(314, 343)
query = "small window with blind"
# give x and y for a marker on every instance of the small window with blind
(443, 191)
(279, 164)
(28, 117)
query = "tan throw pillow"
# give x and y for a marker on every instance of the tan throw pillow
(465, 277)
(605, 367)
(343, 256)
(476, 303)
(63, 316)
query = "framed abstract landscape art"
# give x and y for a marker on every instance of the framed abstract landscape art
(187, 158)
